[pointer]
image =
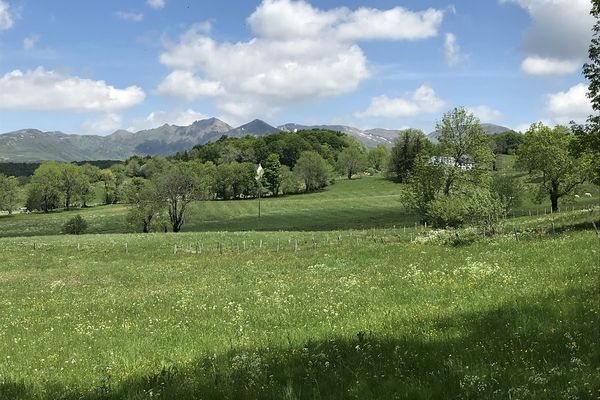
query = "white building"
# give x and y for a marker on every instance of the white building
(463, 163)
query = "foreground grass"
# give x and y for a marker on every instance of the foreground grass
(356, 318)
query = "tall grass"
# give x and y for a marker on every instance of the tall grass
(82, 318)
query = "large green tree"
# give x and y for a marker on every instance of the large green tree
(351, 160)
(408, 146)
(424, 184)
(313, 170)
(591, 70)
(587, 145)
(178, 186)
(9, 193)
(545, 153)
(378, 157)
(145, 201)
(464, 143)
(73, 183)
(272, 174)
(44, 189)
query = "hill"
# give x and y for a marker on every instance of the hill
(369, 138)
(253, 128)
(31, 145)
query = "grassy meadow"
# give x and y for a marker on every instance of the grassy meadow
(364, 203)
(335, 294)
(370, 317)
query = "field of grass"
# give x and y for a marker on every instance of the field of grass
(299, 315)
(369, 202)
(336, 294)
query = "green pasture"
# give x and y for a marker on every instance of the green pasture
(300, 315)
(368, 202)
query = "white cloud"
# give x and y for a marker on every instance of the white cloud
(6, 16)
(287, 19)
(300, 53)
(184, 84)
(452, 50)
(570, 105)
(485, 113)
(30, 42)
(559, 36)
(549, 66)
(40, 89)
(159, 118)
(130, 16)
(424, 100)
(156, 4)
(104, 124)
(396, 23)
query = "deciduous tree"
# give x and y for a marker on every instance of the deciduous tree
(545, 153)
(178, 186)
(351, 160)
(313, 170)
(9, 193)
(43, 191)
(145, 201)
(408, 146)
(378, 157)
(464, 142)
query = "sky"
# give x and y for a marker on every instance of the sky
(92, 67)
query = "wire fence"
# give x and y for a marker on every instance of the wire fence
(255, 242)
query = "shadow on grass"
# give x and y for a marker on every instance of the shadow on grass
(531, 349)
(317, 220)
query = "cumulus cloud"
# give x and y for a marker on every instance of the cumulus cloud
(181, 83)
(130, 16)
(6, 16)
(40, 89)
(423, 100)
(570, 105)
(159, 118)
(287, 19)
(156, 4)
(485, 113)
(452, 51)
(299, 53)
(549, 66)
(396, 23)
(559, 35)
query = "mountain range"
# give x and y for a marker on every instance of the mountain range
(28, 145)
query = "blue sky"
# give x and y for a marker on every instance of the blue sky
(97, 66)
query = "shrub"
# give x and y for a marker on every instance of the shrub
(447, 211)
(478, 208)
(75, 226)
(484, 210)
(460, 237)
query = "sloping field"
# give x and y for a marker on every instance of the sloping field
(295, 315)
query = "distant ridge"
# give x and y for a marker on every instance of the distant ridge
(490, 129)
(29, 145)
(34, 145)
(369, 138)
(254, 128)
